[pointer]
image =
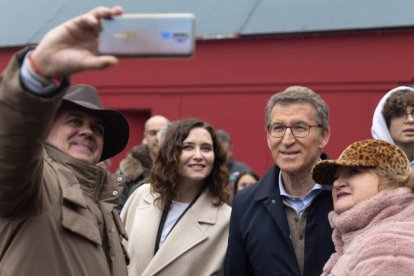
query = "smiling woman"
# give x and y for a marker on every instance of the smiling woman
(180, 217)
(373, 217)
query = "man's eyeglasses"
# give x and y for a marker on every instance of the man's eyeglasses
(297, 130)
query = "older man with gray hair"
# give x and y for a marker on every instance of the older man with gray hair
(280, 225)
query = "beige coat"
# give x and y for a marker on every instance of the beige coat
(56, 212)
(196, 245)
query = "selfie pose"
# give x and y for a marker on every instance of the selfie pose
(178, 224)
(57, 212)
(373, 217)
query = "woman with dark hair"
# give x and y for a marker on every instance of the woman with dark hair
(244, 179)
(178, 224)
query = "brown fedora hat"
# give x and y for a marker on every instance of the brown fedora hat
(116, 125)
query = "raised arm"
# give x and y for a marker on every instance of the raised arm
(26, 116)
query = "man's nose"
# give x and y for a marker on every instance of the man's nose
(288, 137)
(86, 130)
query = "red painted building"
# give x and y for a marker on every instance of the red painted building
(228, 82)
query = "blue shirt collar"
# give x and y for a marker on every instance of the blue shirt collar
(299, 204)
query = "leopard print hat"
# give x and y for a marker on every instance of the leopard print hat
(367, 154)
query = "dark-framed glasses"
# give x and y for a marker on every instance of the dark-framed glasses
(297, 130)
(405, 115)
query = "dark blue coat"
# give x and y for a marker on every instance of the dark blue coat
(259, 241)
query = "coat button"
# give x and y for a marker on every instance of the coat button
(119, 178)
(114, 193)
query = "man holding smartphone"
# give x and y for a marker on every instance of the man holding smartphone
(56, 206)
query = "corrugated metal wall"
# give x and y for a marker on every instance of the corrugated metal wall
(228, 82)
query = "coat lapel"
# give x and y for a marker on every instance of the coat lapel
(186, 235)
(146, 221)
(269, 194)
(276, 209)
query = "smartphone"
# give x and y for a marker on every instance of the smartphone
(148, 35)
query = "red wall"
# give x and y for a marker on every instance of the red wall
(228, 82)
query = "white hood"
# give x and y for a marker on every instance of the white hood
(379, 129)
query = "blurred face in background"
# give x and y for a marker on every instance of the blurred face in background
(402, 128)
(244, 181)
(152, 127)
(227, 148)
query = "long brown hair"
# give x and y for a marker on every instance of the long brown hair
(164, 173)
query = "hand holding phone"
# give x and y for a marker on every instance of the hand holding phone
(148, 35)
